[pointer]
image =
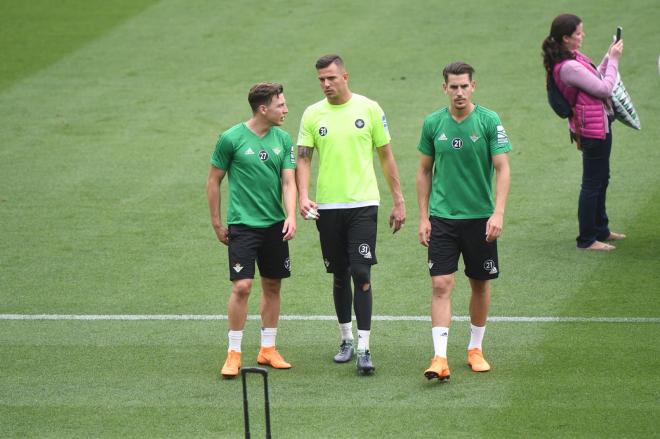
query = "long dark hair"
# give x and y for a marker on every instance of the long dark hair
(553, 47)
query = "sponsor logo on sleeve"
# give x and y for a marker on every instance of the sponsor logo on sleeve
(502, 138)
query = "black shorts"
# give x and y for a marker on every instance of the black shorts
(348, 236)
(247, 244)
(452, 237)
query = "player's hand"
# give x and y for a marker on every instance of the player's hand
(424, 231)
(308, 209)
(494, 226)
(397, 217)
(289, 229)
(222, 233)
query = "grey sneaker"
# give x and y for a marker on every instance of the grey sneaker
(345, 352)
(363, 363)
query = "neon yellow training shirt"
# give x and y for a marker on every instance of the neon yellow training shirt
(345, 136)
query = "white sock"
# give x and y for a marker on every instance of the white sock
(346, 330)
(476, 336)
(440, 336)
(268, 337)
(235, 338)
(363, 340)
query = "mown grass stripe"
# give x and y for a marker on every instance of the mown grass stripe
(513, 319)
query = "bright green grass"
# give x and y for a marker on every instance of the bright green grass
(138, 379)
(109, 115)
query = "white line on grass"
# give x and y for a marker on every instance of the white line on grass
(320, 317)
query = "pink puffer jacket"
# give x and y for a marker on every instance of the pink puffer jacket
(590, 117)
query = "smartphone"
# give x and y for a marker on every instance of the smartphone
(619, 30)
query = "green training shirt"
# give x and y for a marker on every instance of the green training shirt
(345, 136)
(462, 185)
(254, 165)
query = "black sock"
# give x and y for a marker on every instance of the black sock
(362, 302)
(343, 296)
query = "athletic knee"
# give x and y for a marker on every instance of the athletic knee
(442, 285)
(361, 277)
(480, 288)
(271, 287)
(242, 288)
(340, 280)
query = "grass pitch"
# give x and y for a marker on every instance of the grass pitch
(109, 114)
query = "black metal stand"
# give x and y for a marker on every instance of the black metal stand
(246, 416)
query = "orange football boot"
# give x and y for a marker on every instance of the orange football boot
(476, 360)
(232, 364)
(270, 357)
(438, 369)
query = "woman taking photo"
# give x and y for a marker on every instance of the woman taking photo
(587, 89)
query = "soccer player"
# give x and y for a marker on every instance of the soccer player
(345, 128)
(461, 145)
(260, 161)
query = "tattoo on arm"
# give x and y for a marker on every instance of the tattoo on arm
(305, 152)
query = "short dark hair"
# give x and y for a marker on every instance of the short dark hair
(326, 60)
(262, 93)
(457, 68)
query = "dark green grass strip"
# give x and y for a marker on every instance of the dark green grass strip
(36, 33)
